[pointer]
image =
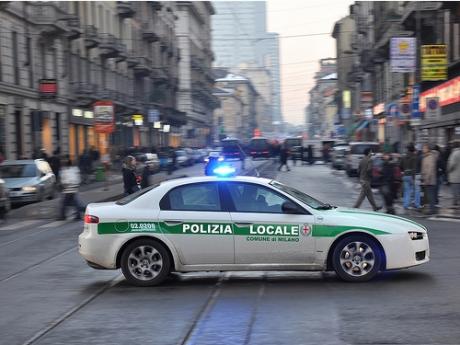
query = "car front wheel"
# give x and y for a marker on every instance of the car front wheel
(357, 258)
(145, 262)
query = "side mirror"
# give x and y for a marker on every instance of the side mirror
(290, 208)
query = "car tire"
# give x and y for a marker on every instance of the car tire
(357, 258)
(145, 262)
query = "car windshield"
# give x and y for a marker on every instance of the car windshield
(18, 170)
(131, 197)
(306, 199)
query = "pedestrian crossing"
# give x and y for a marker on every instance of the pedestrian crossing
(34, 224)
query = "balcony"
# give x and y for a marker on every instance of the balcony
(108, 94)
(75, 31)
(109, 46)
(84, 93)
(156, 5)
(92, 38)
(125, 9)
(122, 51)
(160, 76)
(48, 17)
(148, 33)
(143, 68)
(413, 6)
(132, 60)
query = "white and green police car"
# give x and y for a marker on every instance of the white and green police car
(243, 223)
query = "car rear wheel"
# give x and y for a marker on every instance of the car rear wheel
(357, 258)
(145, 263)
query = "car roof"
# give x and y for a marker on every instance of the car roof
(364, 143)
(197, 179)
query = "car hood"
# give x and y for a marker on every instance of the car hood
(374, 222)
(19, 182)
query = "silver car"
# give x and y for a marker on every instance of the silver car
(28, 180)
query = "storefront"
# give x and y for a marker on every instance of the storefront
(441, 126)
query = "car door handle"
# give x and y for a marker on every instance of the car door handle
(173, 222)
(240, 225)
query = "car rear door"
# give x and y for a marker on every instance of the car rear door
(193, 218)
(263, 233)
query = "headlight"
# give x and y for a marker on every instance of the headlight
(415, 235)
(29, 189)
(220, 159)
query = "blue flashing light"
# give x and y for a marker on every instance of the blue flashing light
(224, 171)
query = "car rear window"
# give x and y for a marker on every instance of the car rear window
(131, 197)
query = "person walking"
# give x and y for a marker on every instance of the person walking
(411, 187)
(55, 164)
(310, 154)
(284, 154)
(70, 181)
(453, 170)
(429, 178)
(388, 183)
(130, 179)
(147, 172)
(365, 173)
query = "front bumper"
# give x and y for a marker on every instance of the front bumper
(402, 252)
(23, 197)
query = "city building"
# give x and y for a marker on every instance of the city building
(240, 37)
(196, 79)
(228, 118)
(248, 95)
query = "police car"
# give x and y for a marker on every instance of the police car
(243, 223)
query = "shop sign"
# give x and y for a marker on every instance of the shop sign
(88, 114)
(415, 101)
(378, 109)
(77, 112)
(433, 109)
(346, 99)
(404, 110)
(434, 62)
(138, 119)
(403, 54)
(103, 116)
(47, 88)
(157, 124)
(166, 128)
(448, 93)
(392, 110)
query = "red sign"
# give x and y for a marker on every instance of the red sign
(48, 88)
(448, 93)
(104, 117)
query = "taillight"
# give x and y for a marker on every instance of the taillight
(91, 219)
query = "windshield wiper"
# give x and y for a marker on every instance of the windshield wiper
(325, 207)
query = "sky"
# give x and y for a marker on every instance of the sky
(299, 56)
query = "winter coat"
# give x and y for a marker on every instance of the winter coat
(365, 169)
(453, 166)
(409, 164)
(429, 169)
(70, 179)
(129, 180)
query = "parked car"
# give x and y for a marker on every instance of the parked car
(356, 153)
(196, 155)
(338, 156)
(28, 180)
(183, 158)
(150, 159)
(5, 204)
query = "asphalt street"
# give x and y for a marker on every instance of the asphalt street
(48, 295)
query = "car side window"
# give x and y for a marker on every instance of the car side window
(248, 197)
(195, 197)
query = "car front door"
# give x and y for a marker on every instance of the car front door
(264, 233)
(192, 217)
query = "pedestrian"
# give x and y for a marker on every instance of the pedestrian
(130, 179)
(147, 173)
(387, 187)
(70, 181)
(284, 154)
(85, 165)
(172, 160)
(411, 186)
(106, 163)
(429, 178)
(365, 173)
(55, 164)
(310, 154)
(453, 169)
(440, 168)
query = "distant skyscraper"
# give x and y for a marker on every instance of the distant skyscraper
(240, 36)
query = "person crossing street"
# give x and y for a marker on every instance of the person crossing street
(365, 171)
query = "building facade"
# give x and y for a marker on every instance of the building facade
(196, 79)
(228, 118)
(240, 37)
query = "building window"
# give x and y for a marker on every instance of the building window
(18, 125)
(55, 64)
(30, 64)
(43, 58)
(1, 76)
(14, 40)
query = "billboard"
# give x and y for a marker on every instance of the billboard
(403, 54)
(434, 62)
(103, 117)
